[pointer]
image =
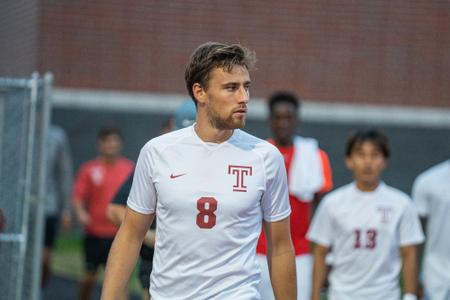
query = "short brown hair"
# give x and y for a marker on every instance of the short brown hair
(212, 55)
(108, 130)
(373, 136)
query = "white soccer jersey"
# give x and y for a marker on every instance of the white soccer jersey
(365, 231)
(431, 195)
(209, 201)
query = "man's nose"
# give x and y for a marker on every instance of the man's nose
(367, 161)
(244, 95)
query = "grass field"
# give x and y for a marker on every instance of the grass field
(68, 260)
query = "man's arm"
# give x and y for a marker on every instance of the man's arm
(421, 250)
(281, 259)
(124, 252)
(320, 270)
(80, 211)
(116, 213)
(409, 271)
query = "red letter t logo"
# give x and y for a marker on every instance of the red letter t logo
(240, 172)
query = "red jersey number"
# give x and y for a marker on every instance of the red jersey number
(371, 239)
(206, 218)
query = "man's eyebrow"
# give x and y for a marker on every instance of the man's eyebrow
(247, 82)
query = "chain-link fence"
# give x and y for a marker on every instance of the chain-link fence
(24, 119)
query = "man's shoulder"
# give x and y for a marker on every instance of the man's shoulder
(248, 141)
(56, 129)
(338, 194)
(395, 194)
(167, 139)
(434, 173)
(90, 166)
(126, 162)
(56, 133)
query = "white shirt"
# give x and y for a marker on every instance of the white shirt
(365, 231)
(209, 201)
(431, 194)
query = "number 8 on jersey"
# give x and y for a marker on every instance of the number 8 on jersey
(206, 218)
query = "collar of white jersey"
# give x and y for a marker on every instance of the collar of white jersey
(380, 186)
(213, 146)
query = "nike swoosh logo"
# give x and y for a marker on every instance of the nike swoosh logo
(175, 176)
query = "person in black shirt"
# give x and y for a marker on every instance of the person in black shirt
(116, 213)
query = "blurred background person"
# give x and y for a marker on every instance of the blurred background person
(59, 178)
(184, 116)
(96, 183)
(309, 177)
(431, 195)
(168, 125)
(372, 229)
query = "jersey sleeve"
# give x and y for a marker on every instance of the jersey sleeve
(82, 184)
(420, 196)
(410, 228)
(321, 227)
(275, 200)
(142, 196)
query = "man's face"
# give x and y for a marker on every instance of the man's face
(110, 145)
(227, 96)
(366, 162)
(283, 120)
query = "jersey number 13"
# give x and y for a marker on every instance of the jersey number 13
(371, 239)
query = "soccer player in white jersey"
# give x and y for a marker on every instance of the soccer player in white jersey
(431, 195)
(211, 186)
(371, 228)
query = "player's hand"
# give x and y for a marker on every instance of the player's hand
(150, 238)
(83, 217)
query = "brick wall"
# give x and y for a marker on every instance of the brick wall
(18, 37)
(387, 52)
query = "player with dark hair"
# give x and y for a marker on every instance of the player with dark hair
(309, 177)
(97, 182)
(210, 186)
(372, 229)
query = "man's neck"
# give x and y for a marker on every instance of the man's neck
(283, 142)
(209, 134)
(366, 186)
(108, 159)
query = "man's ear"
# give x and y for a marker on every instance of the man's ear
(349, 163)
(199, 93)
